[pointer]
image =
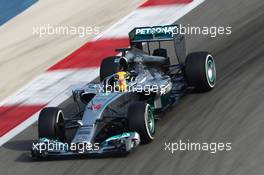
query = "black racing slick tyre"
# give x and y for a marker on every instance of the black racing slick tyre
(51, 124)
(108, 67)
(200, 71)
(141, 120)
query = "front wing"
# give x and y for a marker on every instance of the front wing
(118, 145)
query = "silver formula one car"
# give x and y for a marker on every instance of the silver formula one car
(118, 113)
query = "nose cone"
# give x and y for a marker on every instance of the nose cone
(84, 134)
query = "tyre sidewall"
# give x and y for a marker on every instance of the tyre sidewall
(196, 73)
(48, 123)
(138, 121)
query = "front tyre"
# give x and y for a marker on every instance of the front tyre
(200, 71)
(51, 124)
(141, 120)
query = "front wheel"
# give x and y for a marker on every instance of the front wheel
(200, 71)
(51, 124)
(141, 120)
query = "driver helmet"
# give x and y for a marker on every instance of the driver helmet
(121, 78)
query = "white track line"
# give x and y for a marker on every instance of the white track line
(49, 85)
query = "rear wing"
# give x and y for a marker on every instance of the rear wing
(155, 33)
(158, 34)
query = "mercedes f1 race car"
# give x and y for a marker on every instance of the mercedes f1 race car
(120, 112)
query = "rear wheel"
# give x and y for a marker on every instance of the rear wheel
(200, 71)
(141, 120)
(51, 124)
(108, 67)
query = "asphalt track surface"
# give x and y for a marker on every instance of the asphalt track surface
(232, 112)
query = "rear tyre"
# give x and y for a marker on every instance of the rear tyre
(141, 120)
(108, 67)
(51, 124)
(200, 71)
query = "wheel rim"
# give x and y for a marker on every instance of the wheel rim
(151, 122)
(210, 71)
